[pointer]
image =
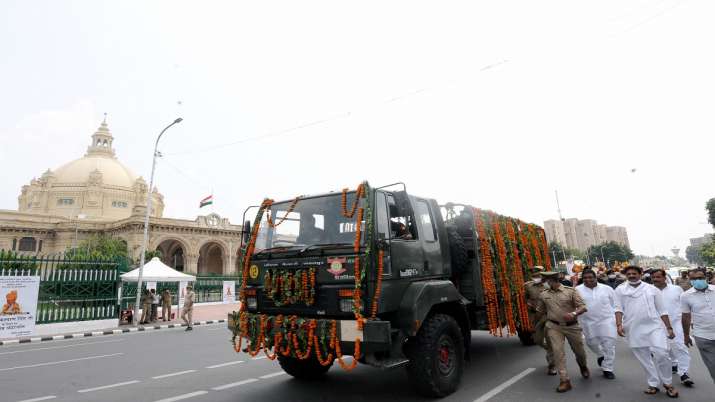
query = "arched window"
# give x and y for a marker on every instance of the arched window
(28, 244)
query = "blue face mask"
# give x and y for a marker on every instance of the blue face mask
(699, 284)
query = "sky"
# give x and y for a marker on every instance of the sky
(493, 103)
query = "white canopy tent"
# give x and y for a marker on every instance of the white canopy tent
(157, 271)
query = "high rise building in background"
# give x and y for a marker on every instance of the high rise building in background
(582, 234)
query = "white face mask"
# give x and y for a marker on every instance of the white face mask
(634, 282)
(611, 276)
(536, 280)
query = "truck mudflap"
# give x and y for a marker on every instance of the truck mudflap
(421, 297)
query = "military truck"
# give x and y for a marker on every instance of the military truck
(394, 280)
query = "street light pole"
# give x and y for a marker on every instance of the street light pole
(142, 257)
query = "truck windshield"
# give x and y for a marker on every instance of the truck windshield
(312, 223)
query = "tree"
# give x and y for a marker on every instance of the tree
(610, 251)
(694, 255)
(561, 251)
(100, 247)
(710, 207)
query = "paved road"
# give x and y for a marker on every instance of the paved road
(200, 366)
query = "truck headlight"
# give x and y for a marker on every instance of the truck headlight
(252, 303)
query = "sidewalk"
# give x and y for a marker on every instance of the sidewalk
(204, 314)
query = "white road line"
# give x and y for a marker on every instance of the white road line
(224, 364)
(183, 396)
(173, 374)
(272, 375)
(60, 347)
(60, 362)
(119, 384)
(234, 384)
(260, 358)
(501, 387)
(43, 398)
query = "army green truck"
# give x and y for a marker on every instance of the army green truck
(392, 279)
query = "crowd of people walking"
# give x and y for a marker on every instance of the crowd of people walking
(656, 317)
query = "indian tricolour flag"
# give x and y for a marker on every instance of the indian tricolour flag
(206, 201)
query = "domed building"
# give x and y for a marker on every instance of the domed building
(98, 194)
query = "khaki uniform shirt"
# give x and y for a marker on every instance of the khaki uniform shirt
(557, 303)
(532, 291)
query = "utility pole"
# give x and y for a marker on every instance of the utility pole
(142, 256)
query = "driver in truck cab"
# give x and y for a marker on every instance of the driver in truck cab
(309, 233)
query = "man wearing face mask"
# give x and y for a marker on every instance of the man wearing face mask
(612, 279)
(698, 306)
(640, 315)
(532, 290)
(679, 355)
(562, 306)
(599, 323)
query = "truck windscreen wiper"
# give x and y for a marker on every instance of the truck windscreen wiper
(268, 250)
(319, 245)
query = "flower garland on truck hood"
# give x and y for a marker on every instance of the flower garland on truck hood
(295, 336)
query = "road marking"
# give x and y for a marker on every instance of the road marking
(60, 347)
(272, 375)
(260, 358)
(224, 364)
(43, 398)
(183, 396)
(234, 384)
(173, 374)
(60, 362)
(119, 384)
(501, 387)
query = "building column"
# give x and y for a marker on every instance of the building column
(191, 264)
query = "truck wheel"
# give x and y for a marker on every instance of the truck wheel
(457, 251)
(437, 357)
(526, 337)
(308, 369)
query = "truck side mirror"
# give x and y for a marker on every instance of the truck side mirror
(246, 232)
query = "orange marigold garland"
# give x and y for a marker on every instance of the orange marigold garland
(290, 209)
(535, 244)
(545, 248)
(518, 272)
(490, 292)
(378, 284)
(359, 193)
(503, 279)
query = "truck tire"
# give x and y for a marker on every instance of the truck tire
(437, 357)
(308, 369)
(526, 337)
(457, 251)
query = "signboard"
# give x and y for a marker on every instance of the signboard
(182, 292)
(229, 291)
(151, 285)
(19, 305)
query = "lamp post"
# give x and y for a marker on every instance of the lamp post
(135, 316)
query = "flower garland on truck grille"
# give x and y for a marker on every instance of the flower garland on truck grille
(292, 335)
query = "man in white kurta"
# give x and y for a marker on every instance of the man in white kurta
(640, 315)
(679, 355)
(599, 322)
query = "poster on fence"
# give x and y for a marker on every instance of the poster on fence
(229, 291)
(182, 292)
(19, 305)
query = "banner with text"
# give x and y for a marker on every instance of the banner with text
(229, 291)
(19, 307)
(182, 292)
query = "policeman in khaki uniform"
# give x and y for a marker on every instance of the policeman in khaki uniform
(562, 304)
(532, 290)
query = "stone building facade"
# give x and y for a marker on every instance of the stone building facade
(98, 194)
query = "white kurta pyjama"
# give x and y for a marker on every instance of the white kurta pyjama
(599, 322)
(679, 354)
(642, 307)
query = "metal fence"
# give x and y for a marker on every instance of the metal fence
(71, 289)
(208, 288)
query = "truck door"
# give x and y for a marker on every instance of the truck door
(426, 223)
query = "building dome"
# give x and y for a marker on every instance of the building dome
(97, 186)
